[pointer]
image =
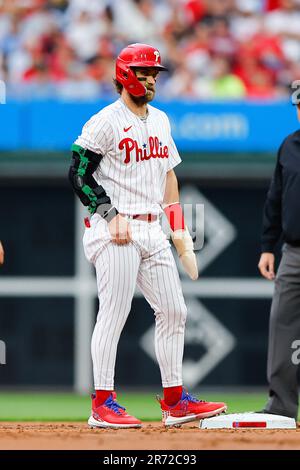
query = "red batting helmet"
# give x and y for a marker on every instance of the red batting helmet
(136, 55)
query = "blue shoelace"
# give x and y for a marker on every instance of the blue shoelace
(114, 406)
(186, 396)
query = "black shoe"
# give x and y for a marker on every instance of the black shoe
(265, 412)
(274, 413)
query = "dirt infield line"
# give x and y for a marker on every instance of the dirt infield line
(71, 436)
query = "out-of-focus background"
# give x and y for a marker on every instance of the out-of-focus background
(231, 64)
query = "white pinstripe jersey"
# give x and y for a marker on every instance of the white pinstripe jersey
(137, 154)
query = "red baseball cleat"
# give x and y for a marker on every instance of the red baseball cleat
(189, 409)
(111, 415)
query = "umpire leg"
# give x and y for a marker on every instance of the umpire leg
(283, 331)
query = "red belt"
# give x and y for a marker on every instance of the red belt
(145, 217)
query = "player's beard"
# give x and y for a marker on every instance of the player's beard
(141, 100)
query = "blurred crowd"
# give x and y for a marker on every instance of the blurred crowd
(214, 49)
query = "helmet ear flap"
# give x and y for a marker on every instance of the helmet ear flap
(126, 76)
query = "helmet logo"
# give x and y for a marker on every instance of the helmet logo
(156, 53)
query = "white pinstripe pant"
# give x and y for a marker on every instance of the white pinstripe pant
(147, 262)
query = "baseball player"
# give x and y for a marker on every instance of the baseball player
(123, 170)
(1, 253)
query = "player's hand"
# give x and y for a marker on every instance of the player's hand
(266, 266)
(120, 230)
(1, 254)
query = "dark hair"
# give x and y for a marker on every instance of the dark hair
(118, 86)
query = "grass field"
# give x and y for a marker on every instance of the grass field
(72, 407)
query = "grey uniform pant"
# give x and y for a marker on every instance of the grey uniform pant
(284, 330)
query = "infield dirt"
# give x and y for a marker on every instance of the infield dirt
(152, 436)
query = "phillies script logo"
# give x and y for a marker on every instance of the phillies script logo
(154, 149)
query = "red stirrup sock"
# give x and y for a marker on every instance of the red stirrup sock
(172, 395)
(102, 396)
(175, 216)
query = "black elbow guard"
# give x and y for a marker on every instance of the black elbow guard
(84, 163)
(77, 184)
